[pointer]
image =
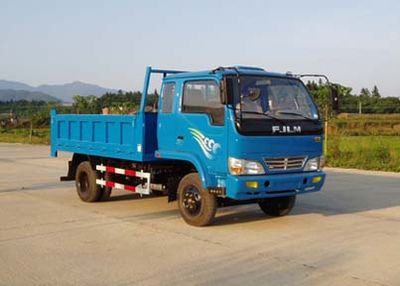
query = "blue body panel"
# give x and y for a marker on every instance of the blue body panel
(149, 137)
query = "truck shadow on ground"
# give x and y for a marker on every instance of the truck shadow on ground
(343, 194)
(349, 193)
(240, 214)
(131, 196)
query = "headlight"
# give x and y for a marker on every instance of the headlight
(314, 164)
(245, 167)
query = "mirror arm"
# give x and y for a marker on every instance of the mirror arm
(332, 89)
(223, 92)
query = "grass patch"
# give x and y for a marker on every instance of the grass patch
(365, 125)
(364, 152)
(22, 135)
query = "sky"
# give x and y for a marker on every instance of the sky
(109, 43)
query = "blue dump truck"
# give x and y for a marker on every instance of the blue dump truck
(228, 136)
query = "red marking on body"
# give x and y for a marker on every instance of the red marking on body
(110, 184)
(130, 188)
(130, 173)
(110, 169)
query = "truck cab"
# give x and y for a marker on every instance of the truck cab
(251, 133)
(231, 135)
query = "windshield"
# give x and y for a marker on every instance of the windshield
(271, 97)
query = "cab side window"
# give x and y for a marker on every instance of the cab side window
(168, 97)
(203, 97)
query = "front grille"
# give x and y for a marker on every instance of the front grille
(288, 163)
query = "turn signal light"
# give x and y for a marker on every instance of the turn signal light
(317, 179)
(252, 184)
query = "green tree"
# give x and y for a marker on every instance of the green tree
(126, 102)
(375, 92)
(365, 93)
(86, 104)
(321, 93)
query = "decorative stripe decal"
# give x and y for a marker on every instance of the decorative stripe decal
(207, 145)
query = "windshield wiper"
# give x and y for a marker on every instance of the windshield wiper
(264, 114)
(298, 114)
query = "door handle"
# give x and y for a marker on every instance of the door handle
(180, 137)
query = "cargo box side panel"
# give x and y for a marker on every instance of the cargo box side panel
(113, 136)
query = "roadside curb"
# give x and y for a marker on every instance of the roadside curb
(363, 172)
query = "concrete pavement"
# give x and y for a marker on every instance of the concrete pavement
(349, 234)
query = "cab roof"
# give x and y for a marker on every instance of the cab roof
(222, 71)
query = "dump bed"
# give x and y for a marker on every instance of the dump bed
(130, 137)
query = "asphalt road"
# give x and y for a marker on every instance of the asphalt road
(349, 234)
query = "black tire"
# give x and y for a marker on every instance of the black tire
(278, 206)
(196, 205)
(105, 194)
(85, 181)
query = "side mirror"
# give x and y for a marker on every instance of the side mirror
(335, 98)
(227, 90)
(254, 94)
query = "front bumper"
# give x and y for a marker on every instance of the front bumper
(276, 185)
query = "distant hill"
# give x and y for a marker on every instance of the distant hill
(11, 94)
(63, 92)
(6, 84)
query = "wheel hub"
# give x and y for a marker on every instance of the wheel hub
(83, 183)
(192, 200)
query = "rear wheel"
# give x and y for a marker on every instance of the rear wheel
(196, 205)
(85, 181)
(278, 206)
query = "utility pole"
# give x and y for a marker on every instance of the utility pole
(326, 132)
(30, 132)
(360, 107)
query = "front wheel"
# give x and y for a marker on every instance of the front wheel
(196, 205)
(278, 206)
